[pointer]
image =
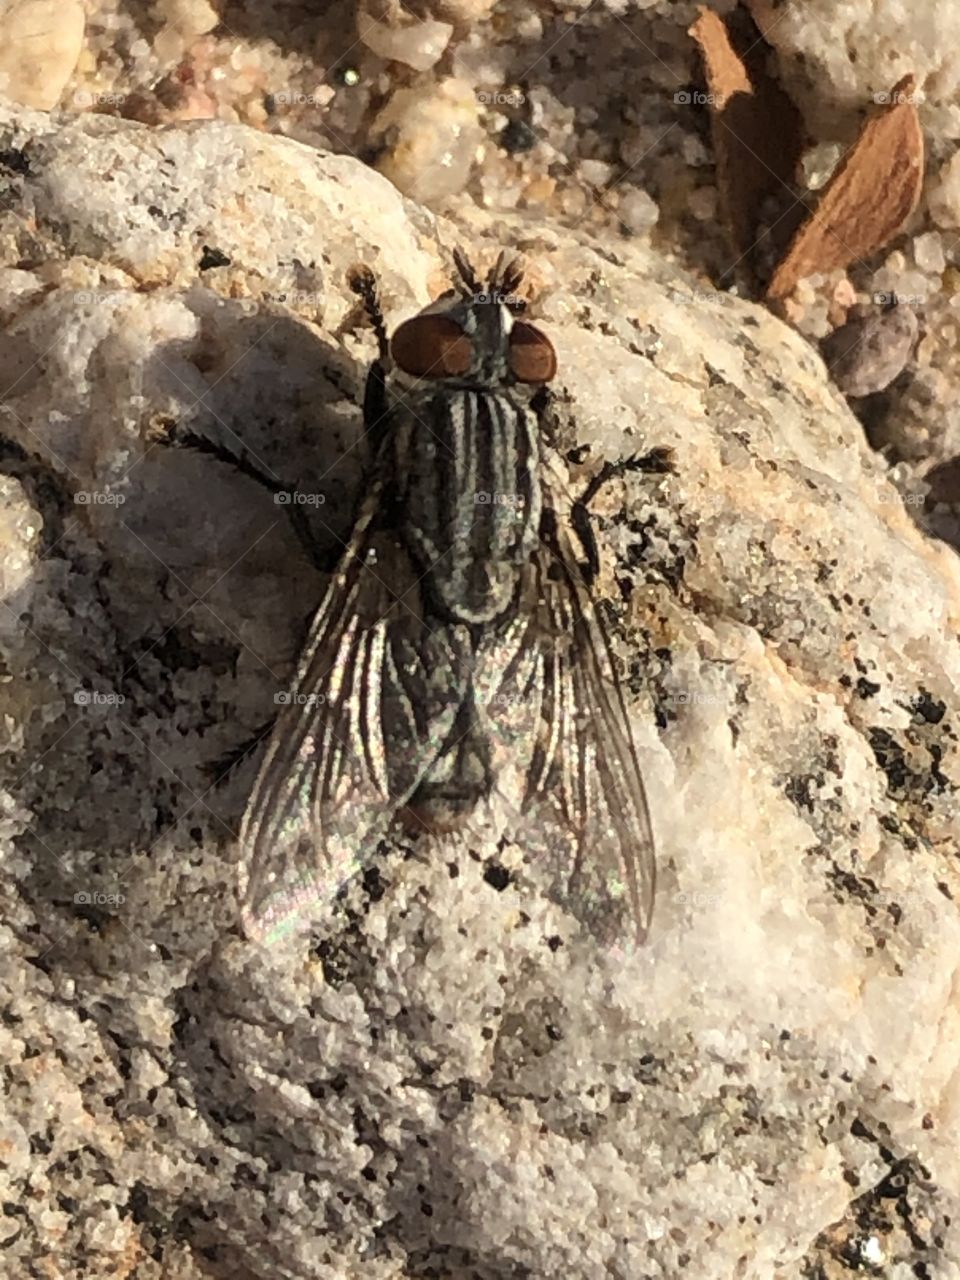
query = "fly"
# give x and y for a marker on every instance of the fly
(458, 645)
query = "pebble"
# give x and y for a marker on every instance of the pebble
(638, 211)
(539, 191)
(517, 136)
(435, 133)
(928, 252)
(418, 44)
(864, 355)
(944, 197)
(190, 17)
(465, 11)
(40, 45)
(597, 172)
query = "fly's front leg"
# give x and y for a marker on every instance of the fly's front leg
(656, 461)
(177, 437)
(376, 405)
(173, 435)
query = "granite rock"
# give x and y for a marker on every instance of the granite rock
(449, 1078)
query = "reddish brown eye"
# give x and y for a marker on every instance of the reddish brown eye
(432, 346)
(532, 357)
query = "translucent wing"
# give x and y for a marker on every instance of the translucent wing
(374, 699)
(583, 784)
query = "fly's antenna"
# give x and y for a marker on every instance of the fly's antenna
(466, 271)
(505, 278)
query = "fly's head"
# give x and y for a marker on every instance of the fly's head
(472, 334)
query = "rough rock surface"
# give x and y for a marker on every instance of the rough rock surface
(448, 1079)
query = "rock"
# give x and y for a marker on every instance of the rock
(452, 1079)
(41, 43)
(431, 136)
(401, 37)
(19, 529)
(945, 194)
(836, 62)
(190, 17)
(865, 354)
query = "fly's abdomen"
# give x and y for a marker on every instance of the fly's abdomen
(467, 474)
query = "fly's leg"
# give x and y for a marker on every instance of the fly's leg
(376, 406)
(177, 437)
(656, 462)
(364, 284)
(220, 769)
(547, 408)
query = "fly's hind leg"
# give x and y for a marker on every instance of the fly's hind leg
(220, 769)
(656, 462)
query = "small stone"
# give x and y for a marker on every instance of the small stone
(517, 136)
(39, 49)
(869, 351)
(638, 211)
(539, 191)
(529, 26)
(190, 17)
(819, 162)
(466, 12)
(19, 531)
(944, 198)
(703, 203)
(434, 135)
(402, 38)
(597, 172)
(928, 252)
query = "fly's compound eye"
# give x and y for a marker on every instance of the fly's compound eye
(531, 354)
(432, 346)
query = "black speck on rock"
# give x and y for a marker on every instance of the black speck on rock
(925, 707)
(890, 758)
(497, 876)
(517, 136)
(213, 258)
(15, 161)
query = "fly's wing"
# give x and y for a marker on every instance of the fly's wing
(375, 696)
(553, 696)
